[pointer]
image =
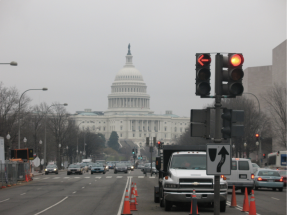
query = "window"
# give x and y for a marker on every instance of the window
(174, 129)
(272, 160)
(121, 127)
(104, 128)
(140, 135)
(180, 129)
(164, 128)
(243, 165)
(165, 136)
(121, 135)
(94, 128)
(133, 135)
(234, 165)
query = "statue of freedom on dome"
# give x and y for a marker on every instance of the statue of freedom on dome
(129, 52)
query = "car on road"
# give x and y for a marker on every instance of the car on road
(242, 175)
(121, 167)
(110, 165)
(283, 174)
(98, 168)
(85, 166)
(146, 168)
(268, 178)
(140, 166)
(51, 168)
(75, 169)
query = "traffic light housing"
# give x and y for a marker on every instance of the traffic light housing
(202, 65)
(233, 75)
(264, 155)
(230, 128)
(133, 151)
(158, 144)
(257, 137)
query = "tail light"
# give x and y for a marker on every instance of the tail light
(252, 176)
(259, 179)
(279, 180)
(223, 177)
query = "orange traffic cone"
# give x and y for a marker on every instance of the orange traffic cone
(252, 207)
(136, 189)
(133, 203)
(127, 210)
(3, 186)
(26, 178)
(135, 197)
(132, 188)
(245, 202)
(193, 196)
(233, 198)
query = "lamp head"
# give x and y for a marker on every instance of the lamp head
(44, 89)
(13, 63)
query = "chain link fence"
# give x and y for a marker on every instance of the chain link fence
(13, 172)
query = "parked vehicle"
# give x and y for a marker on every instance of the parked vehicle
(51, 168)
(120, 167)
(277, 160)
(242, 175)
(267, 178)
(98, 168)
(146, 169)
(177, 180)
(75, 169)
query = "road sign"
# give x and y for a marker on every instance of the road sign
(218, 159)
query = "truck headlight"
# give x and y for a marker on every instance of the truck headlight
(223, 186)
(55, 169)
(171, 186)
(46, 170)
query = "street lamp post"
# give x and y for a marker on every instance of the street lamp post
(257, 144)
(13, 63)
(40, 142)
(59, 162)
(45, 137)
(233, 146)
(44, 89)
(245, 144)
(67, 147)
(78, 143)
(25, 140)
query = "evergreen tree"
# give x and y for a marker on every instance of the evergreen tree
(114, 141)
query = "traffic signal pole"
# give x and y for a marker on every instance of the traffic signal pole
(217, 136)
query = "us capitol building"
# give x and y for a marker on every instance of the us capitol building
(129, 112)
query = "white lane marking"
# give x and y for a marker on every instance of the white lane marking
(39, 188)
(152, 177)
(61, 181)
(89, 183)
(83, 187)
(238, 207)
(56, 177)
(76, 177)
(130, 176)
(22, 194)
(87, 177)
(4, 200)
(122, 201)
(98, 177)
(36, 178)
(52, 206)
(45, 178)
(141, 176)
(119, 176)
(66, 177)
(275, 198)
(74, 192)
(109, 176)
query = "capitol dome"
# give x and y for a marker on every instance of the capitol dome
(128, 91)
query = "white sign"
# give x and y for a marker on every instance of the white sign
(2, 150)
(218, 159)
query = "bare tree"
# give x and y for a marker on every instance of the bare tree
(275, 97)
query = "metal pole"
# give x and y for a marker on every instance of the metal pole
(217, 136)
(260, 153)
(45, 145)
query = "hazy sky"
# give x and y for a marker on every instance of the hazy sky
(75, 48)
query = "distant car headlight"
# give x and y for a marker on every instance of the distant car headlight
(46, 170)
(132, 167)
(55, 169)
(107, 167)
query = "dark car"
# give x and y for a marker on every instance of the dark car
(98, 168)
(110, 165)
(146, 168)
(51, 168)
(75, 169)
(283, 174)
(121, 167)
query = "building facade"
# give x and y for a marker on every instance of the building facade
(129, 112)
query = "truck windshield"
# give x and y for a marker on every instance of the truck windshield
(190, 161)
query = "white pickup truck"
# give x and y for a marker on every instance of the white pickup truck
(183, 169)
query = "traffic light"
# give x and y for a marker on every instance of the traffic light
(136, 151)
(202, 65)
(257, 137)
(233, 75)
(264, 155)
(230, 128)
(158, 144)
(133, 151)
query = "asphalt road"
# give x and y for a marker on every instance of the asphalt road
(103, 194)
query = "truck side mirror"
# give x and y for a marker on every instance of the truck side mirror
(158, 163)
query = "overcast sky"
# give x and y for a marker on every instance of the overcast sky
(75, 48)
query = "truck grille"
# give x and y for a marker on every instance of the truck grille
(196, 183)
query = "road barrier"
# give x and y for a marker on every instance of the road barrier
(127, 210)
(12, 172)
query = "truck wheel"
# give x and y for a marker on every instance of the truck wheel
(167, 205)
(161, 204)
(280, 189)
(222, 206)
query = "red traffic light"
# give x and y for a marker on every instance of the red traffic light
(257, 135)
(204, 59)
(237, 60)
(158, 142)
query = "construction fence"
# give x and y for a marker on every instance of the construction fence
(12, 172)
